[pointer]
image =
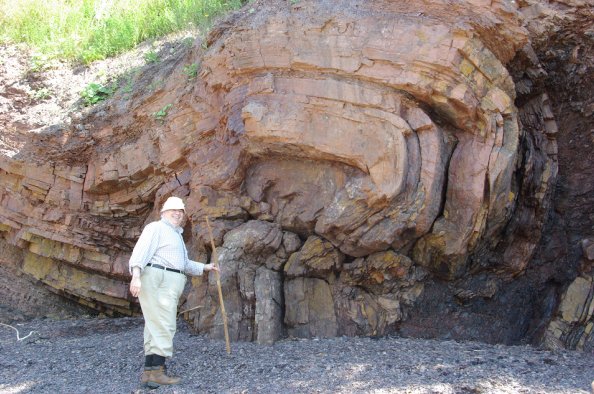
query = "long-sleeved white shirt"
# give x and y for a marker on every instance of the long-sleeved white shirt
(162, 243)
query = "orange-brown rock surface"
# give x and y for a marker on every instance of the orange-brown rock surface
(369, 167)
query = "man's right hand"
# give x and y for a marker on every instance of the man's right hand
(135, 286)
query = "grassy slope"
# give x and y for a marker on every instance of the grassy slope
(88, 30)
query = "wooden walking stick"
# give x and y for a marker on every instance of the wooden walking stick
(218, 276)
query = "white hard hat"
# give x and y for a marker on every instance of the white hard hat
(173, 203)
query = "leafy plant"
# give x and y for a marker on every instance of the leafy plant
(95, 92)
(191, 70)
(38, 63)
(42, 94)
(162, 113)
(151, 57)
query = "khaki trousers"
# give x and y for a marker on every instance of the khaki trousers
(159, 294)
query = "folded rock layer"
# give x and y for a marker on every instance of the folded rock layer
(368, 167)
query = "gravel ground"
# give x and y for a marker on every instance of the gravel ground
(104, 356)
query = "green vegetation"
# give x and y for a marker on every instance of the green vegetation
(38, 62)
(95, 92)
(41, 94)
(162, 113)
(191, 70)
(156, 84)
(128, 79)
(151, 57)
(88, 30)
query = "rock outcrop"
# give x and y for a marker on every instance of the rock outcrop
(563, 36)
(368, 167)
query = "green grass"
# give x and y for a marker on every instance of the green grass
(88, 30)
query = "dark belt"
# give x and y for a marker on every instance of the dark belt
(164, 268)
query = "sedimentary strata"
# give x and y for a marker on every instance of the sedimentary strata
(369, 167)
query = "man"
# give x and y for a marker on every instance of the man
(159, 264)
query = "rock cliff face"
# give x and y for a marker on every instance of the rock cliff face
(563, 35)
(369, 168)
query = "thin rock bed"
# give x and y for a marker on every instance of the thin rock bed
(105, 355)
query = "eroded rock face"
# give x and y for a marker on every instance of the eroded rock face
(349, 155)
(563, 38)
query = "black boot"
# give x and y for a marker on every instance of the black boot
(158, 360)
(149, 360)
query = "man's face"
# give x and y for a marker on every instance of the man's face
(174, 216)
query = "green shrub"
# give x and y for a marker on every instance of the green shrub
(95, 92)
